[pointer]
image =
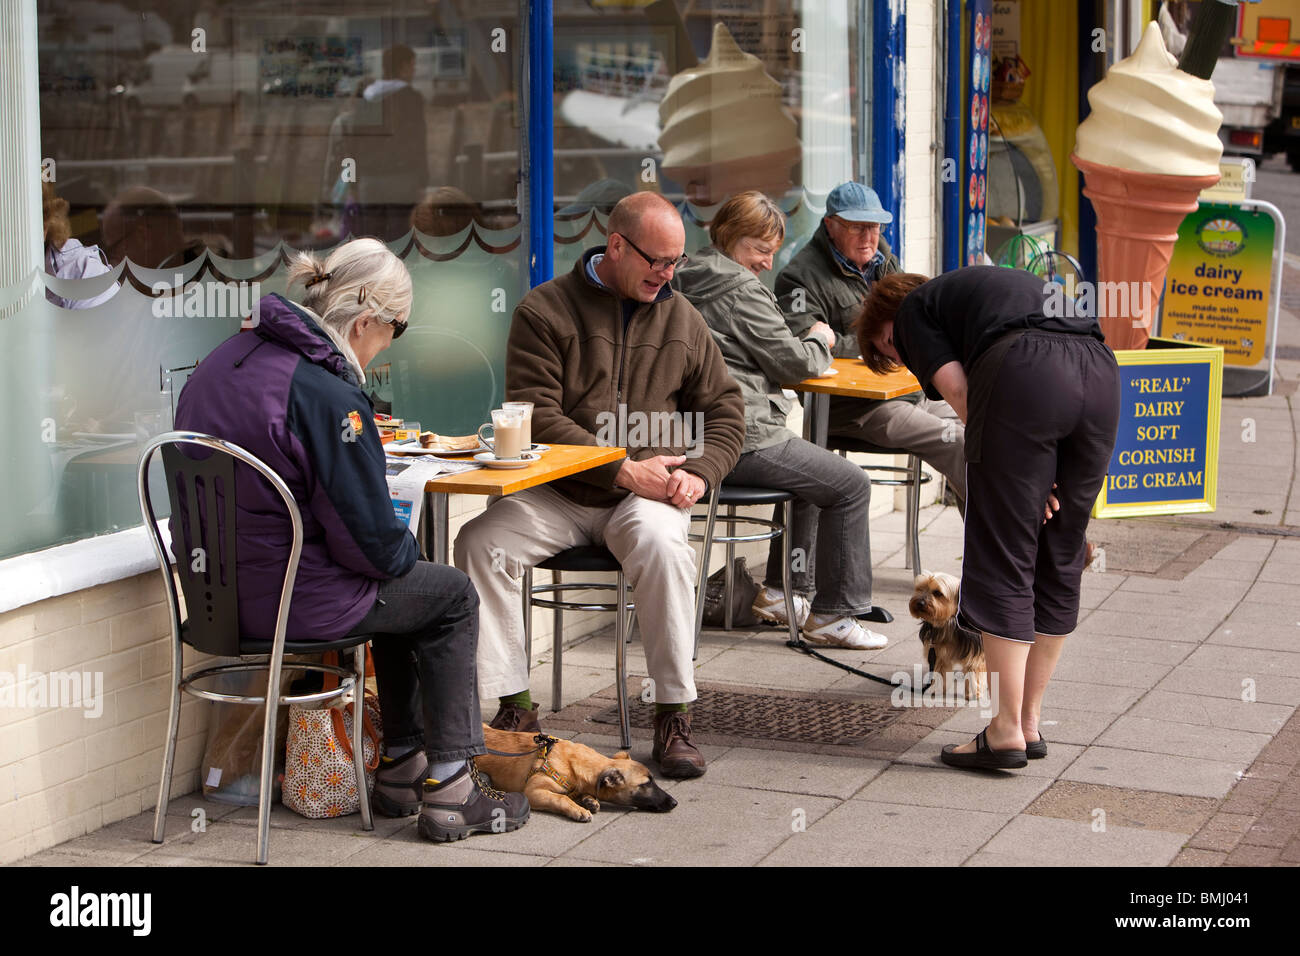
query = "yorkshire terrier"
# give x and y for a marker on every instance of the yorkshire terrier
(949, 647)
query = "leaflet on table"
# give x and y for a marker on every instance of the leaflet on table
(407, 477)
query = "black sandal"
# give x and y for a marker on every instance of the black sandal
(984, 756)
(1036, 749)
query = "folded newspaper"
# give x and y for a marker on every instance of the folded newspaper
(407, 476)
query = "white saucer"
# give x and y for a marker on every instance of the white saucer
(492, 461)
(533, 448)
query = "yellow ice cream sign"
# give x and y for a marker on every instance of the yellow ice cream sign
(1219, 281)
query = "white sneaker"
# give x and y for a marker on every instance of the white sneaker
(770, 606)
(845, 632)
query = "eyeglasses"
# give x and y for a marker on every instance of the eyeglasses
(656, 265)
(398, 325)
(857, 228)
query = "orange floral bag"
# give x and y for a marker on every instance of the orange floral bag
(319, 779)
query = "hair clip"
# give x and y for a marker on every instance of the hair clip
(361, 295)
(316, 278)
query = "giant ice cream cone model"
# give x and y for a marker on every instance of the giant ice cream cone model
(1147, 149)
(724, 129)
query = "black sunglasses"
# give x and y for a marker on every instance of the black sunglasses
(398, 329)
(656, 265)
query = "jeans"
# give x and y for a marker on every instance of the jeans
(929, 429)
(425, 627)
(832, 496)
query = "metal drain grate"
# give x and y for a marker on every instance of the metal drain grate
(803, 718)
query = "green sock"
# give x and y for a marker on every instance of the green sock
(671, 708)
(522, 699)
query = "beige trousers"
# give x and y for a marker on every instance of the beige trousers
(649, 538)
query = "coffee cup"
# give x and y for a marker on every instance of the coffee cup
(507, 428)
(525, 409)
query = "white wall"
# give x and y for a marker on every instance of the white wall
(922, 196)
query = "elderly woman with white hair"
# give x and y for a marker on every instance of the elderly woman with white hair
(289, 391)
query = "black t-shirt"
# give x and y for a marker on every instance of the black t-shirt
(959, 315)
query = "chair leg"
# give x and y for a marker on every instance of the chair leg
(557, 651)
(169, 753)
(728, 574)
(528, 617)
(702, 571)
(268, 755)
(914, 514)
(620, 664)
(358, 735)
(787, 515)
(631, 624)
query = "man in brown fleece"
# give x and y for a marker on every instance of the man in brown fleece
(608, 354)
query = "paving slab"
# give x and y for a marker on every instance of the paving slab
(1134, 649)
(1183, 603)
(1231, 684)
(1146, 626)
(1078, 665)
(237, 845)
(1067, 843)
(1123, 806)
(868, 833)
(816, 774)
(477, 850)
(942, 787)
(1229, 571)
(1084, 695)
(1161, 773)
(1184, 739)
(711, 826)
(1248, 661)
(1236, 632)
(1255, 717)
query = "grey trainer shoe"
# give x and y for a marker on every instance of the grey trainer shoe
(465, 804)
(399, 784)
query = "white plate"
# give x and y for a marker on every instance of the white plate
(492, 461)
(415, 448)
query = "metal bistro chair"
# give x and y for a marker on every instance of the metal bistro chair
(202, 493)
(734, 496)
(588, 559)
(913, 478)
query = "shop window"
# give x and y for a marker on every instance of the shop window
(203, 142)
(698, 100)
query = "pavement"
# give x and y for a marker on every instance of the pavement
(1171, 721)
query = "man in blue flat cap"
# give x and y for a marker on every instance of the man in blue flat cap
(827, 281)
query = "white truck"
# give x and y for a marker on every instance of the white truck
(1257, 80)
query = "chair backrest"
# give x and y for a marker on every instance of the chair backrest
(202, 494)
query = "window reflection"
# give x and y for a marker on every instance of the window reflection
(231, 126)
(699, 100)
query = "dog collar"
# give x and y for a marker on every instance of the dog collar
(545, 744)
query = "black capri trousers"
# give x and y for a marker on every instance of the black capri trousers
(1050, 417)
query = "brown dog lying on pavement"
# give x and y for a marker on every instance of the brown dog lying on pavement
(566, 777)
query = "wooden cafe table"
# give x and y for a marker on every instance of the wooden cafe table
(560, 462)
(852, 380)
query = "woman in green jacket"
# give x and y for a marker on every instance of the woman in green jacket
(722, 281)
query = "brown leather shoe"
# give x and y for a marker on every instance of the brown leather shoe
(513, 717)
(676, 755)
